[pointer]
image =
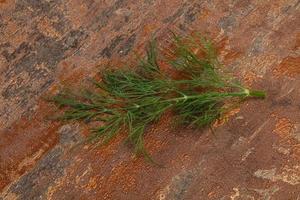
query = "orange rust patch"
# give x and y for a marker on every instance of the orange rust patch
(205, 13)
(23, 144)
(221, 45)
(45, 27)
(76, 13)
(148, 29)
(230, 56)
(123, 179)
(30, 161)
(92, 184)
(249, 77)
(72, 77)
(283, 127)
(226, 54)
(7, 5)
(297, 44)
(152, 144)
(15, 39)
(290, 67)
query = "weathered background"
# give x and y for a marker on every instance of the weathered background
(45, 44)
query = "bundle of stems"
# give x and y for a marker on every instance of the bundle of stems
(197, 91)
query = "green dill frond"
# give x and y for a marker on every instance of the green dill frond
(131, 100)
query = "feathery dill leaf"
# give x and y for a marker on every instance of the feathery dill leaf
(131, 100)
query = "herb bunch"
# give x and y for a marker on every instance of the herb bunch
(131, 100)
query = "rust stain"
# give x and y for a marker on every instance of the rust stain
(149, 29)
(7, 5)
(297, 43)
(76, 13)
(57, 185)
(33, 133)
(290, 66)
(249, 78)
(30, 161)
(225, 52)
(45, 27)
(15, 39)
(11, 196)
(72, 78)
(283, 127)
(205, 13)
(92, 184)
(69, 73)
(222, 44)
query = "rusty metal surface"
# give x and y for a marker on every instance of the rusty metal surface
(46, 44)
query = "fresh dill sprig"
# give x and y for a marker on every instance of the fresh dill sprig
(131, 100)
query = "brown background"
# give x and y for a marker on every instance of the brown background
(48, 44)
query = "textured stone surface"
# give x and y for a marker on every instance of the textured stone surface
(45, 45)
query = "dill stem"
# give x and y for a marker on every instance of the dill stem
(242, 94)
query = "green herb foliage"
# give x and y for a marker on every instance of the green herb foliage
(131, 100)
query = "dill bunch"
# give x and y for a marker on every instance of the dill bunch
(197, 91)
